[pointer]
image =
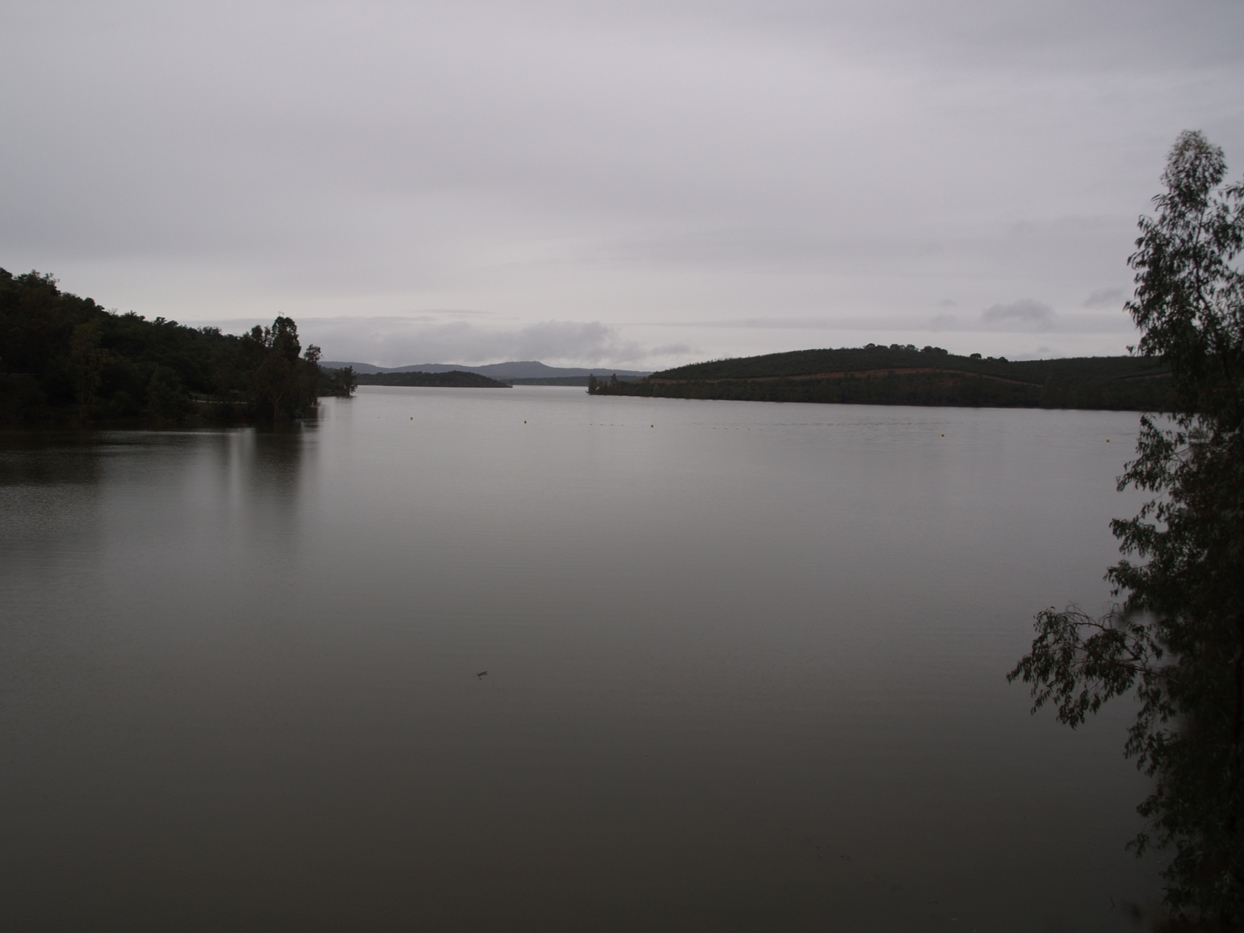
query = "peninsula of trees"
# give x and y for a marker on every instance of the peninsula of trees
(65, 359)
(904, 375)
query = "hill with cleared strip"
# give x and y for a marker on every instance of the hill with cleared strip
(903, 375)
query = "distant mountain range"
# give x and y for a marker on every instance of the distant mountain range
(530, 369)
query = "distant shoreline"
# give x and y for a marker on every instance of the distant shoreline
(471, 380)
(519, 372)
(454, 379)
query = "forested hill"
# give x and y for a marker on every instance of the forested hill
(65, 359)
(904, 375)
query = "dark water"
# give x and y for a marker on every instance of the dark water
(745, 670)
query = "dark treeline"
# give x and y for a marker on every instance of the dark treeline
(904, 375)
(455, 379)
(65, 359)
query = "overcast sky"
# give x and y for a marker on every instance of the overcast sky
(637, 184)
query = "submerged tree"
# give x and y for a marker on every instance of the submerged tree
(1177, 637)
(339, 382)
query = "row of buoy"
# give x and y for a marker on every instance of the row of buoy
(412, 418)
(1107, 439)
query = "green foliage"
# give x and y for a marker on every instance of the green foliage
(1177, 639)
(281, 382)
(65, 358)
(339, 382)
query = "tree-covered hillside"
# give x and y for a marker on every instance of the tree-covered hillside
(904, 375)
(65, 359)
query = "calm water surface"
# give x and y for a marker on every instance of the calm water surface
(745, 670)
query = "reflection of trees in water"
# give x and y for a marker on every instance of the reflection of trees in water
(50, 458)
(270, 465)
(50, 493)
(76, 497)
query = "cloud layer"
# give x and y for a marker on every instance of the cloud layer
(1026, 314)
(397, 342)
(561, 166)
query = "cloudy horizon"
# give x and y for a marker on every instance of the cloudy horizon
(637, 185)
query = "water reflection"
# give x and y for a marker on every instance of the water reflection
(267, 471)
(99, 502)
(745, 671)
(34, 458)
(50, 506)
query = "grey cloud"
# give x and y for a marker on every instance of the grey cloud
(672, 349)
(1106, 297)
(1003, 318)
(638, 163)
(1027, 313)
(398, 341)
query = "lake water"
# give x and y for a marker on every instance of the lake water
(745, 670)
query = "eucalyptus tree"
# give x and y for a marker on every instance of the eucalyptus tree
(1176, 638)
(281, 381)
